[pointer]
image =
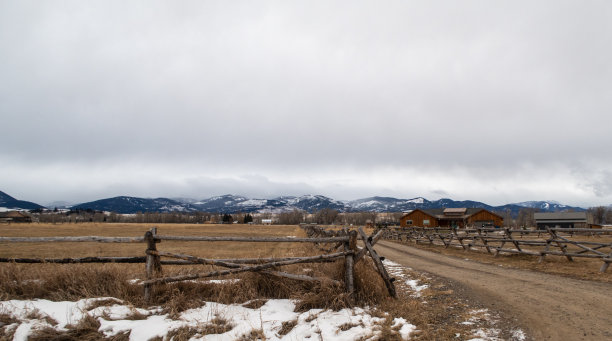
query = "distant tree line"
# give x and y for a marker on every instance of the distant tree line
(600, 214)
(324, 216)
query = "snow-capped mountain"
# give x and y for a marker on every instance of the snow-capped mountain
(235, 203)
(231, 204)
(386, 204)
(314, 202)
(7, 202)
(549, 205)
(126, 205)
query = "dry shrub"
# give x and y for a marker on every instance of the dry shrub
(369, 286)
(255, 304)
(6, 319)
(325, 295)
(37, 315)
(253, 335)
(86, 329)
(217, 325)
(346, 326)
(388, 332)
(7, 333)
(182, 334)
(107, 302)
(287, 327)
(178, 298)
(66, 282)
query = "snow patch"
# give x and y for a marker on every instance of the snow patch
(315, 324)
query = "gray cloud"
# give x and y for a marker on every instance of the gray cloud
(498, 100)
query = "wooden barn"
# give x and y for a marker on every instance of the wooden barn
(449, 217)
(15, 217)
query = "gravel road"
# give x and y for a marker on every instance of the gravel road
(546, 307)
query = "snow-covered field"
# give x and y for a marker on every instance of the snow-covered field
(316, 324)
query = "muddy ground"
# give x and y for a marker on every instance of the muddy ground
(545, 306)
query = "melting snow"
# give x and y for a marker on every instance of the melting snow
(316, 324)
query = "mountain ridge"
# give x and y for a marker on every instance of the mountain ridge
(230, 203)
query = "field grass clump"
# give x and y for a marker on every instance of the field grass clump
(86, 330)
(72, 282)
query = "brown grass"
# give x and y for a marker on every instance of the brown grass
(86, 329)
(253, 335)
(200, 249)
(5, 321)
(77, 281)
(182, 333)
(287, 327)
(217, 326)
(438, 319)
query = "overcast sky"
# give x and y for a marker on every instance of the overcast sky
(496, 101)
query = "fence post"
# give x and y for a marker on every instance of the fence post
(606, 263)
(460, 239)
(349, 261)
(484, 241)
(153, 263)
(561, 246)
(509, 235)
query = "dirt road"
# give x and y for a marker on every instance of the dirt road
(547, 307)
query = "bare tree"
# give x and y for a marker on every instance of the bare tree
(598, 214)
(294, 217)
(326, 216)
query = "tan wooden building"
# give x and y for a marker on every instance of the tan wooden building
(15, 217)
(449, 217)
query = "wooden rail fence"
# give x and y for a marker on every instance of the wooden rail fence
(552, 241)
(345, 242)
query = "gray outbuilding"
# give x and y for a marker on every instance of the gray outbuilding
(561, 219)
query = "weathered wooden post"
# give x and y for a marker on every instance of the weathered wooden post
(379, 265)
(153, 262)
(509, 236)
(561, 246)
(460, 239)
(349, 261)
(606, 263)
(482, 238)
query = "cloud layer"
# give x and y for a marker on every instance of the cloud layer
(500, 102)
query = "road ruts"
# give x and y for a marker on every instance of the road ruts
(547, 307)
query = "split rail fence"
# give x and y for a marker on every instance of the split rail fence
(345, 242)
(551, 241)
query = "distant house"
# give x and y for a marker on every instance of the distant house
(15, 217)
(449, 217)
(561, 219)
(266, 221)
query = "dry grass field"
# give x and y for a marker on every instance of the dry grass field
(200, 249)
(438, 316)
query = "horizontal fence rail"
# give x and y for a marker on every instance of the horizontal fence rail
(551, 241)
(89, 239)
(345, 248)
(255, 239)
